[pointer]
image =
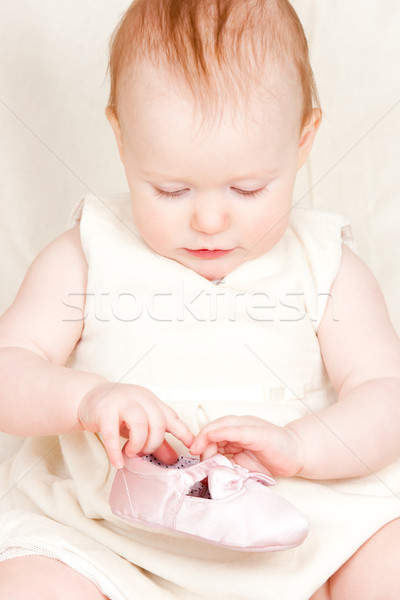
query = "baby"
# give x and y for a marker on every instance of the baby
(214, 110)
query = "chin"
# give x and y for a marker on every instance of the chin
(212, 272)
(212, 269)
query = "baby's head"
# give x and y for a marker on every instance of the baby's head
(213, 105)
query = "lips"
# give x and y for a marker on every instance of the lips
(207, 253)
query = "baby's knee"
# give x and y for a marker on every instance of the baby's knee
(41, 578)
(373, 571)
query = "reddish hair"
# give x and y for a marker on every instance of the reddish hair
(213, 46)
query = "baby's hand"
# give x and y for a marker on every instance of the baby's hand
(133, 412)
(253, 443)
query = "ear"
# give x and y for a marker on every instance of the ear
(307, 136)
(114, 122)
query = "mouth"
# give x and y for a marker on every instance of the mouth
(206, 253)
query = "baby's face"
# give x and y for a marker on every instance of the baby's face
(214, 197)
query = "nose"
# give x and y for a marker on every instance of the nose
(210, 215)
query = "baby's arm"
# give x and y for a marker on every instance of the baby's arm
(40, 396)
(359, 433)
(361, 352)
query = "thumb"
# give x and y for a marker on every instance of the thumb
(210, 451)
(166, 454)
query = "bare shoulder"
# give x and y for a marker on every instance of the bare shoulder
(40, 318)
(356, 336)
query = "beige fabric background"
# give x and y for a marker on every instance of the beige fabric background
(55, 143)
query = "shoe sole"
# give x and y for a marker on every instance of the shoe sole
(181, 534)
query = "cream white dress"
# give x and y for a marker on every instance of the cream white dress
(244, 345)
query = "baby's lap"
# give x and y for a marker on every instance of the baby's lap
(39, 577)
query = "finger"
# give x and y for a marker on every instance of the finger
(178, 428)
(202, 439)
(166, 453)
(229, 447)
(156, 414)
(246, 437)
(110, 434)
(199, 444)
(210, 451)
(248, 460)
(156, 429)
(137, 423)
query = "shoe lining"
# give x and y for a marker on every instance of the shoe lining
(199, 489)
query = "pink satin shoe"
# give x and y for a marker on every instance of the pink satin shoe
(212, 501)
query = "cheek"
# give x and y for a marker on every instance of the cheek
(154, 225)
(269, 228)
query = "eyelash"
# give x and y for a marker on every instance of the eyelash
(161, 194)
(249, 193)
(178, 193)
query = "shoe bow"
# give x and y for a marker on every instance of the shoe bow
(223, 481)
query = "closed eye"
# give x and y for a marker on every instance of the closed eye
(172, 194)
(248, 193)
(177, 193)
